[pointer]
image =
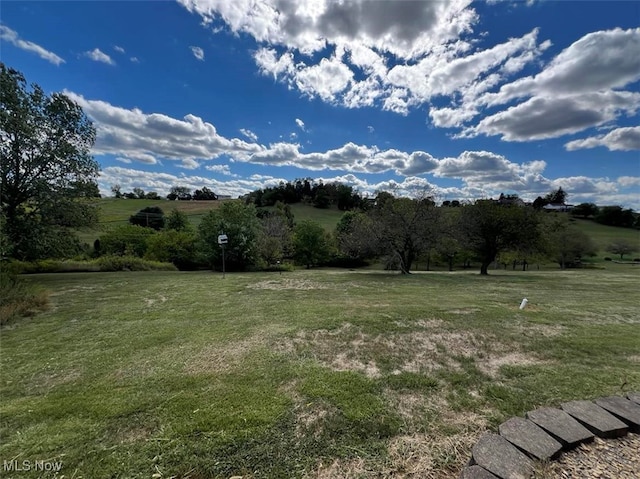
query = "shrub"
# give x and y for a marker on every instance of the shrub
(18, 298)
(132, 263)
(177, 247)
(126, 240)
(105, 263)
(607, 259)
(149, 217)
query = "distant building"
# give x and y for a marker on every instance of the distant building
(557, 207)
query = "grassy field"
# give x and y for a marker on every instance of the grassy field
(604, 235)
(309, 374)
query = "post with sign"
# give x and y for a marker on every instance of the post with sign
(223, 240)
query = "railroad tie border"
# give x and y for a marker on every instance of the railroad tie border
(547, 432)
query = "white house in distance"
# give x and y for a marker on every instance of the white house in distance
(557, 207)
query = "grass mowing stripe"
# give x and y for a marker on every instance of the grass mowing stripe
(319, 373)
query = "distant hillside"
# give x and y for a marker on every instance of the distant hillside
(604, 235)
(114, 210)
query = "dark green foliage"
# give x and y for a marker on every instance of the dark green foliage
(126, 240)
(181, 193)
(403, 228)
(310, 244)
(171, 246)
(46, 170)
(242, 227)
(205, 194)
(319, 194)
(616, 216)
(585, 210)
(539, 203)
(487, 228)
(177, 220)
(556, 197)
(566, 244)
(149, 217)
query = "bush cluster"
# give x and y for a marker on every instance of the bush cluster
(18, 298)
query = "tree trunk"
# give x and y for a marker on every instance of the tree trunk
(483, 269)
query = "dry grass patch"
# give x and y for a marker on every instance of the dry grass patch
(491, 364)
(48, 379)
(424, 351)
(222, 358)
(288, 284)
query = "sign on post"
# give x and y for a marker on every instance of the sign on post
(223, 240)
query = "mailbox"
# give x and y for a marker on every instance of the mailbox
(222, 239)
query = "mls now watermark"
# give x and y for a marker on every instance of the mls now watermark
(26, 465)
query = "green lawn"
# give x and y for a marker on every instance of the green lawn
(320, 373)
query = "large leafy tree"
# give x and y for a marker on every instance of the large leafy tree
(310, 243)
(149, 217)
(488, 228)
(242, 227)
(45, 167)
(404, 228)
(566, 243)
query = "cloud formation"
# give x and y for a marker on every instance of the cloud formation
(399, 55)
(12, 37)
(146, 137)
(198, 53)
(249, 134)
(135, 137)
(98, 56)
(620, 139)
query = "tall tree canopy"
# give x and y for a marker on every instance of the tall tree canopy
(45, 167)
(487, 228)
(404, 227)
(242, 227)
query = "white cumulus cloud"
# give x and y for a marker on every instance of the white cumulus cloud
(620, 139)
(98, 56)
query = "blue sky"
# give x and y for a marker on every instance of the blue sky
(463, 99)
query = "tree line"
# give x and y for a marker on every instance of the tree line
(397, 232)
(310, 191)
